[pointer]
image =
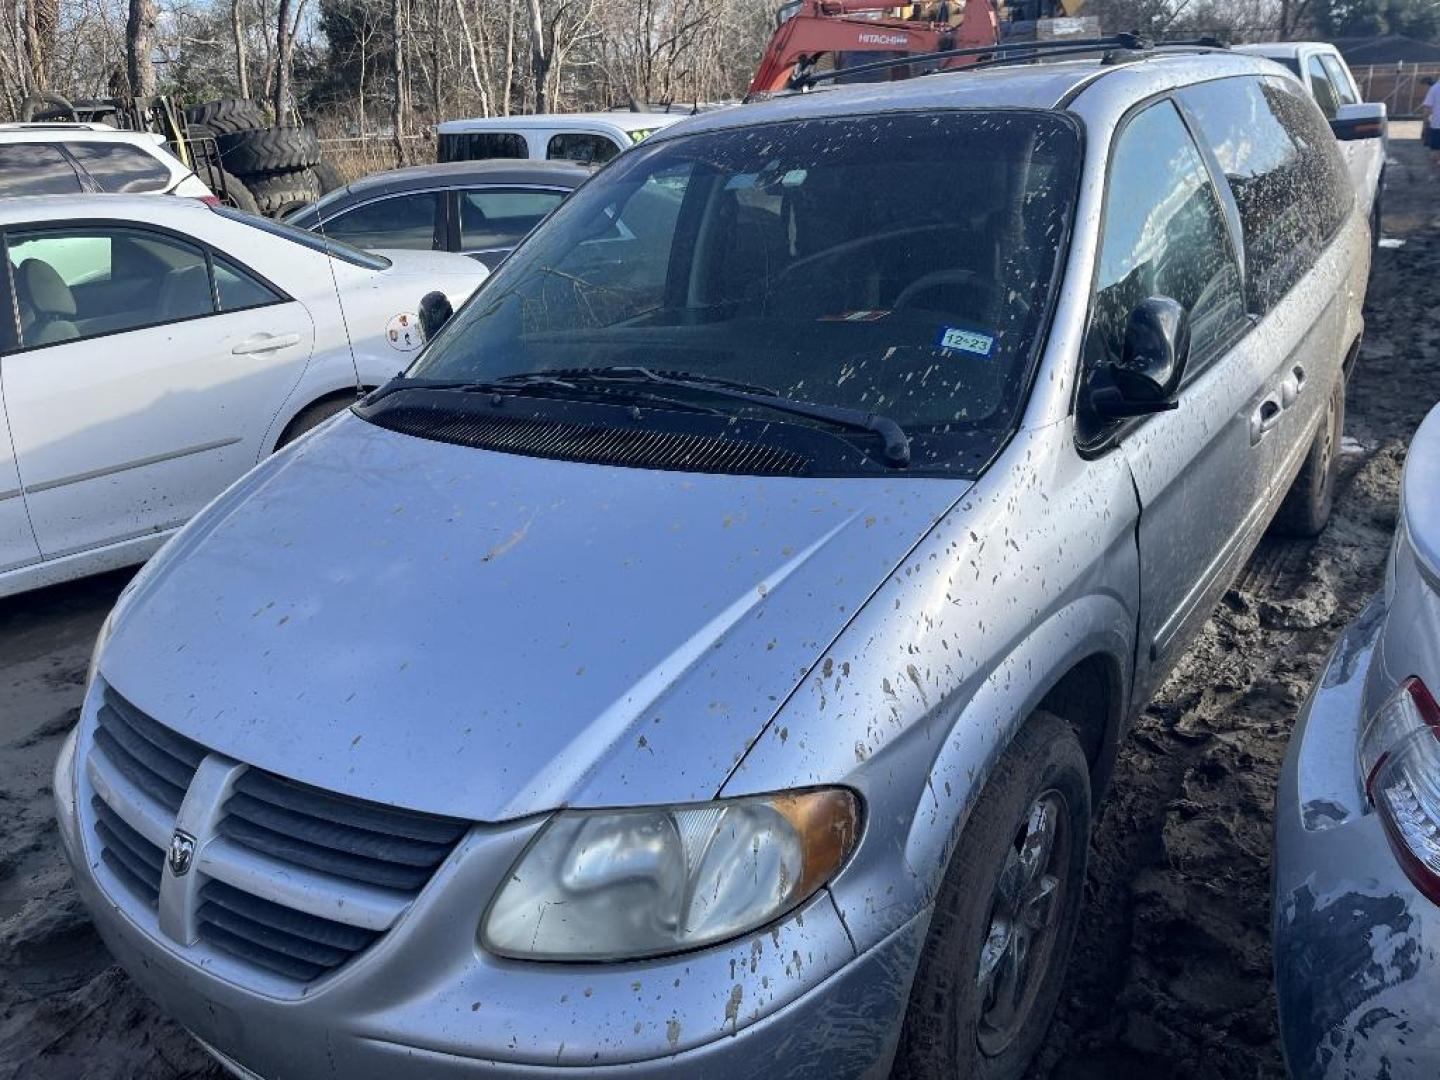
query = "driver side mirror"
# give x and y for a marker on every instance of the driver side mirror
(435, 312)
(1147, 377)
(1365, 120)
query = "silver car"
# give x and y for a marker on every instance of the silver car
(1357, 824)
(705, 660)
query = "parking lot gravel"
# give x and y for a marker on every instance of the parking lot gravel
(1171, 972)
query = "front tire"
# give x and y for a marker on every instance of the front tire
(1005, 916)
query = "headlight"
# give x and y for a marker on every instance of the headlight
(100, 640)
(627, 884)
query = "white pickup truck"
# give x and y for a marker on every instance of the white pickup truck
(1323, 71)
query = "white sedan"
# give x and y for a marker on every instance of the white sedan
(158, 348)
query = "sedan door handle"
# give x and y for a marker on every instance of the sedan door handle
(1264, 419)
(264, 343)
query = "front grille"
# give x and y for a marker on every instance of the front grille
(595, 443)
(272, 936)
(343, 869)
(340, 838)
(157, 760)
(130, 857)
(361, 841)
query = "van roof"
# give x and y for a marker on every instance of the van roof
(1046, 85)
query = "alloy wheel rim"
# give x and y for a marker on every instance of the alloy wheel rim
(1024, 922)
(1327, 445)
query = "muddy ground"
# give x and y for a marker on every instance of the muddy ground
(1171, 973)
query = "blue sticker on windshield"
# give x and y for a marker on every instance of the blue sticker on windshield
(962, 340)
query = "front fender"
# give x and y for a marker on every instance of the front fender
(912, 704)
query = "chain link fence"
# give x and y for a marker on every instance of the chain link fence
(1400, 86)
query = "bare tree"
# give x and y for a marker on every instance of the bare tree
(42, 21)
(284, 61)
(237, 31)
(399, 100)
(140, 48)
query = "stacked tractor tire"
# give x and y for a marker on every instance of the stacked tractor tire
(277, 169)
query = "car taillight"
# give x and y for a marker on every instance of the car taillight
(211, 200)
(1400, 762)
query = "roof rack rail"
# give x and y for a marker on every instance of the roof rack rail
(1013, 52)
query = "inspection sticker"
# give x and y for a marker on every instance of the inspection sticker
(955, 337)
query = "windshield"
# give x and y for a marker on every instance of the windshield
(314, 241)
(901, 264)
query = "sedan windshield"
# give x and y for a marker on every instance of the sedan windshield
(899, 264)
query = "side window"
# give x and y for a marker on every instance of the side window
(237, 289)
(118, 167)
(495, 218)
(1320, 86)
(36, 169)
(80, 283)
(586, 149)
(482, 145)
(1164, 235)
(1339, 79)
(400, 221)
(1284, 169)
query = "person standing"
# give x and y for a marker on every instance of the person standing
(1430, 109)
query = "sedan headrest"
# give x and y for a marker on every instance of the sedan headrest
(37, 282)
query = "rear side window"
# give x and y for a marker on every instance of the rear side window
(495, 218)
(118, 167)
(36, 169)
(237, 289)
(1164, 235)
(482, 145)
(1284, 169)
(1340, 80)
(398, 221)
(1321, 87)
(586, 149)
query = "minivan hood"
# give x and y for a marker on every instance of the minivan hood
(489, 635)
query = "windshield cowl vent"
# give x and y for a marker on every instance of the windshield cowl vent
(596, 444)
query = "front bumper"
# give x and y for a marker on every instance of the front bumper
(1355, 966)
(426, 1001)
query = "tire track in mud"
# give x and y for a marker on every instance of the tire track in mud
(1171, 971)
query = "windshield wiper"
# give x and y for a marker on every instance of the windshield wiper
(477, 386)
(897, 443)
(527, 382)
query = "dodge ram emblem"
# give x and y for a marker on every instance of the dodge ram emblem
(182, 853)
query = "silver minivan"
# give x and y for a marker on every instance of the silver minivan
(706, 659)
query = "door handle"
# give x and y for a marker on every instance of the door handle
(264, 343)
(1263, 419)
(1291, 385)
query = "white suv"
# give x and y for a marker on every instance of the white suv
(1323, 71)
(62, 159)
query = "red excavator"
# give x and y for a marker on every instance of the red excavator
(850, 33)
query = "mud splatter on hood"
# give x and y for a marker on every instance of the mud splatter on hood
(491, 635)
